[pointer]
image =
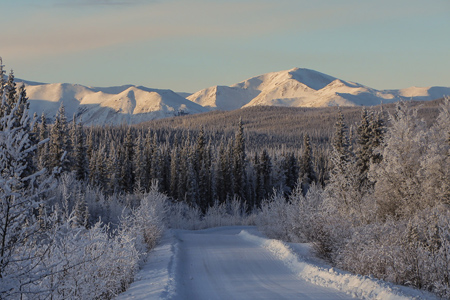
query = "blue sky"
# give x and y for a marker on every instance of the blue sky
(188, 45)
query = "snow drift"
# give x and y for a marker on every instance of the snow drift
(358, 286)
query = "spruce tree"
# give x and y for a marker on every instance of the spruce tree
(307, 173)
(127, 176)
(239, 164)
(174, 170)
(2, 86)
(342, 192)
(138, 165)
(265, 178)
(79, 151)
(59, 142)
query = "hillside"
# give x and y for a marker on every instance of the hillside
(107, 106)
(267, 126)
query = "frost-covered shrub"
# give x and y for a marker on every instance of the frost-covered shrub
(413, 252)
(73, 259)
(229, 213)
(146, 222)
(183, 216)
(302, 213)
(272, 218)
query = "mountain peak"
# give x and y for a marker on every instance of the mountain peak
(311, 78)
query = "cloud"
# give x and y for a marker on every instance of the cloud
(52, 32)
(58, 31)
(101, 2)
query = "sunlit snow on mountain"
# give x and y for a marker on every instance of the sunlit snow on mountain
(291, 88)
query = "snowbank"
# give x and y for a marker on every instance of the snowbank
(156, 280)
(358, 286)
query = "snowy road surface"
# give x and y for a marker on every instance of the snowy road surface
(239, 263)
(220, 264)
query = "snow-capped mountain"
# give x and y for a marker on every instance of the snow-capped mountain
(107, 106)
(305, 88)
(134, 104)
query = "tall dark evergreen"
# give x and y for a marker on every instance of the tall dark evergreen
(147, 161)
(79, 151)
(264, 176)
(2, 85)
(222, 176)
(239, 163)
(174, 173)
(59, 147)
(192, 195)
(291, 167)
(43, 160)
(307, 173)
(127, 176)
(139, 165)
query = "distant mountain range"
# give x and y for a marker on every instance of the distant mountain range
(134, 104)
(108, 106)
(305, 88)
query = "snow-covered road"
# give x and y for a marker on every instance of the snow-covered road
(240, 263)
(221, 264)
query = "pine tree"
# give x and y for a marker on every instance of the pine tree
(239, 164)
(264, 176)
(222, 177)
(364, 150)
(2, 86)
(291, 170)
(174, 177)
(79, 151)
(59, 147)
(307, 173)
(370, 135)
(192, 181)
(342, 192)
(147, 161)
(11, 92)
(114, 170)
(43, 160)
(138, 165)
(127, 176)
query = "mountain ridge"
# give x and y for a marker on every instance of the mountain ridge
(114, 105)
(300, 87)
(131, 104)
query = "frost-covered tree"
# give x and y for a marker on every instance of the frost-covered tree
(341, 193)
(20, 195)
(435, 164)
(59, 147)
(397, 187)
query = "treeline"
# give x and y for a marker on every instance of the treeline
(197, 167)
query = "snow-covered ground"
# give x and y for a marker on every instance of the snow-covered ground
(240, 263)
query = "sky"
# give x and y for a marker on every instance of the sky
(188, 45)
